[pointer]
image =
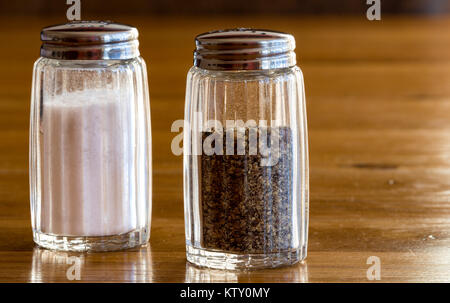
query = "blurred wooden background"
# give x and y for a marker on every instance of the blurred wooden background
(96, 8)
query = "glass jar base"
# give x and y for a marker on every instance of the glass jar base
(220, 260)
(92, 244)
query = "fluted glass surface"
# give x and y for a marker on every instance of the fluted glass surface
(90, 154)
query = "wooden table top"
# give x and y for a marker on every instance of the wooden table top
(378, 101)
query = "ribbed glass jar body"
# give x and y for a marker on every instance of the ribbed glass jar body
(90, 154)
(245, 168)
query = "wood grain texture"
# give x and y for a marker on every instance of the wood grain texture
(378, 100)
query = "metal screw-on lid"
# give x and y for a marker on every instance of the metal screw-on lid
(90, 40)
(244, 49)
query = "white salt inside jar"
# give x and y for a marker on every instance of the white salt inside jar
(87, 164)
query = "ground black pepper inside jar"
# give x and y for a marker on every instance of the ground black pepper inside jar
(247, 207)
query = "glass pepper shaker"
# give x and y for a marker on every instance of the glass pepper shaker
(245, 152)
(90, 139)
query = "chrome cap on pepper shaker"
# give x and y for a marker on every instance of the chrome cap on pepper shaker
(244, 49)
(90, 40)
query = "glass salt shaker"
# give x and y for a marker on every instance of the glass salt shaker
(245, 152)
(90, 139)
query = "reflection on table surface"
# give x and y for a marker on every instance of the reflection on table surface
(123, 266)
(294, 273)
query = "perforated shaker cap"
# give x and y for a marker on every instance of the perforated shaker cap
(90, 40)
(244, 49)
